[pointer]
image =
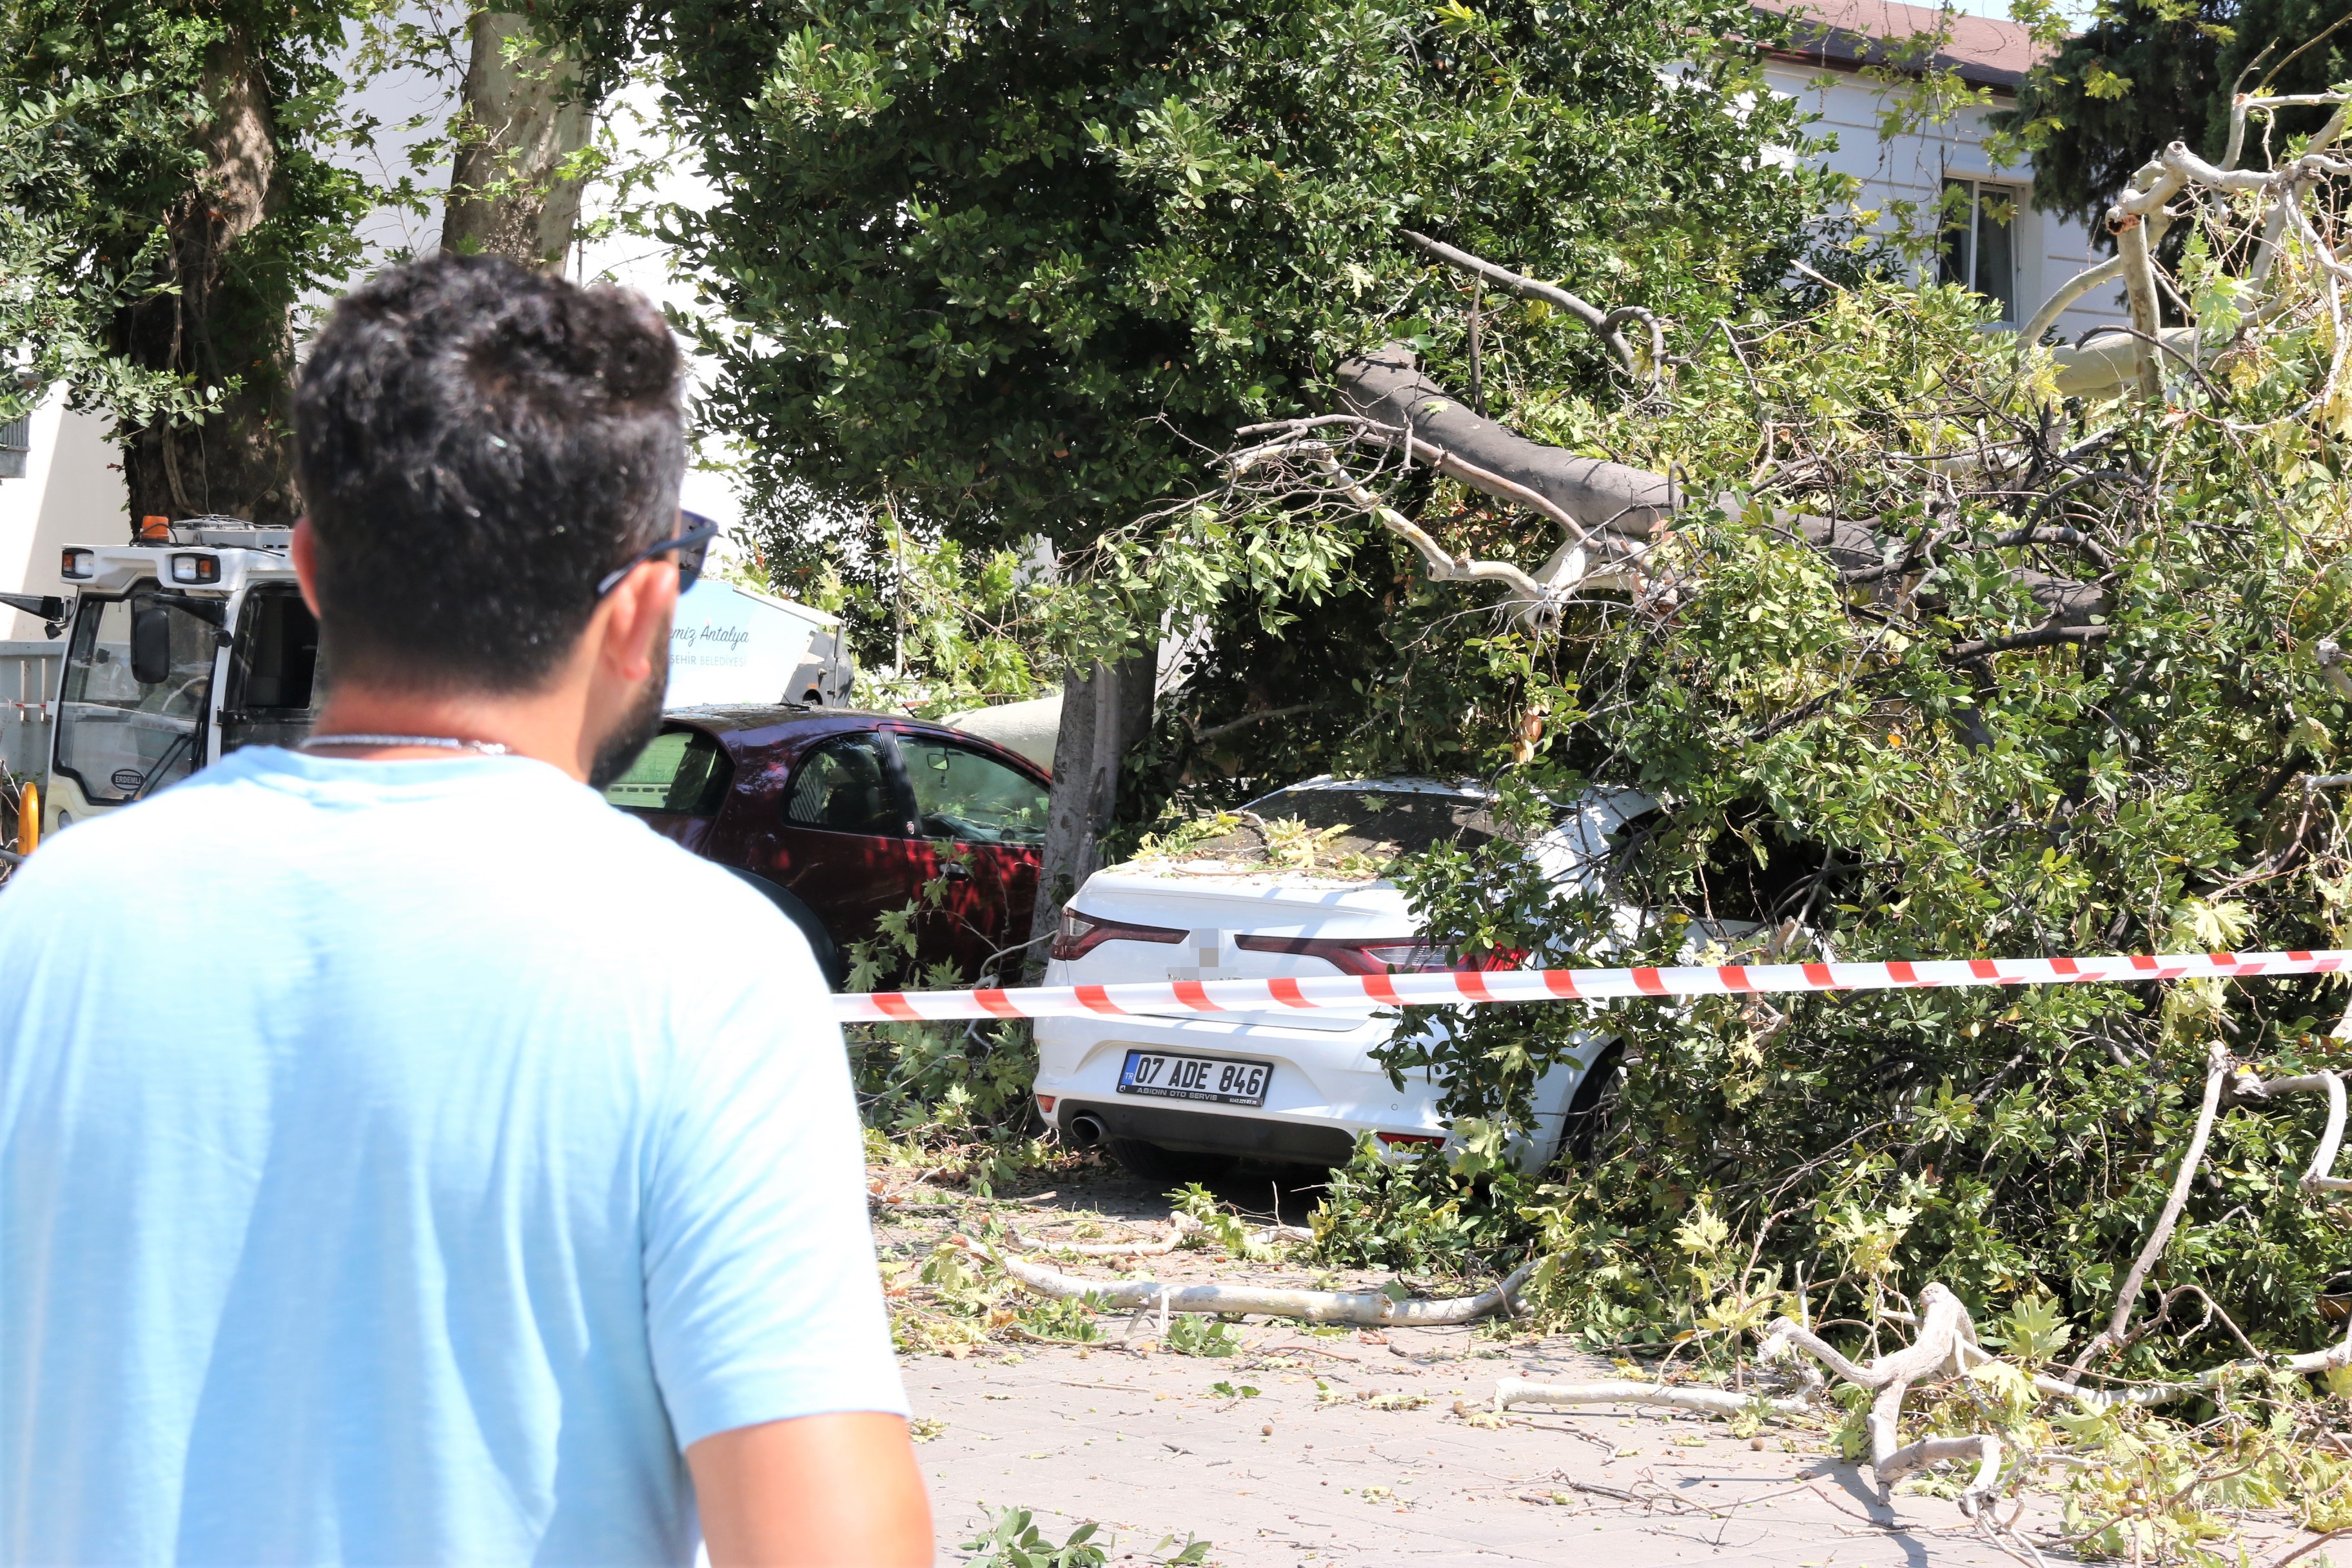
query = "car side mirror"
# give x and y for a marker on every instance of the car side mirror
(150, 645)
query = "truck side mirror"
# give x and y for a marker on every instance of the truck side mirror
(150, 645)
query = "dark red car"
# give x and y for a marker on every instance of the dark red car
(840, 817)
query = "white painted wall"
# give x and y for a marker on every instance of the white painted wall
(72, 493)
(1913, 165)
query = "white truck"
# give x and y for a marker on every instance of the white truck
(195, 641)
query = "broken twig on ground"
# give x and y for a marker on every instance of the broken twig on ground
(1368, 1309)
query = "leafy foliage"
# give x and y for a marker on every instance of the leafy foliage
(1194, 1334)
(2148, 73)
(1832, 754)
(1018, 266)
(105, 107)
(1015, 1541)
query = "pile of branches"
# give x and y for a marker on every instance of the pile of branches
(1932, 641)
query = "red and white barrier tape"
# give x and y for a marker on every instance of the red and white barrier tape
(1183, 997)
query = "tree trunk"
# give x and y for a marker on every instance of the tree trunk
(1104, 713)
(524, 115)
(215, 328)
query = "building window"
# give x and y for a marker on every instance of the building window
(1979, 250)
(15, 444)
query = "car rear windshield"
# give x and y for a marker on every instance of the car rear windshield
(683, 773)
(1383, 823)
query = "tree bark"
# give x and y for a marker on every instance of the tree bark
(522, 117)
(1105, 711)
(215, 329)
(1388, 387)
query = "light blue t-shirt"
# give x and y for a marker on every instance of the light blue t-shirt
(403, 1163)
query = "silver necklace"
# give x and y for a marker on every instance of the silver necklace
(438, 743)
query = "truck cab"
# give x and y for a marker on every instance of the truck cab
(193, 642)
(181, 648)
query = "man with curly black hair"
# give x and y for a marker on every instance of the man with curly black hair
(406, 1157)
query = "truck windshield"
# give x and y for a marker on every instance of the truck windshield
(117, 738)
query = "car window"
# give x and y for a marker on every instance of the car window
(683, 772)
(846, 788)
(1399, 822)
(964, 795)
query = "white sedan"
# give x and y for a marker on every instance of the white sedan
(1172, 1097)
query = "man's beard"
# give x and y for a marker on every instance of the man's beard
(637, 727)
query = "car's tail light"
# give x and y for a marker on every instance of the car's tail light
(1081, 935)
(1388, 956)
(1394, 1140)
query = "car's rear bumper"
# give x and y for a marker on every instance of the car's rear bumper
(1324, 1092)
(1197, 1130)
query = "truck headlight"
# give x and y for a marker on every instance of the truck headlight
(78, 564)
(195, 568)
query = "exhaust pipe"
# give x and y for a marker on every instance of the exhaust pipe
(1086, 1130)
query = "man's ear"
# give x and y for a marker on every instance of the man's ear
(305, 553)
(637, 614)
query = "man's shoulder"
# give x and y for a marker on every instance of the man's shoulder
(513, 835)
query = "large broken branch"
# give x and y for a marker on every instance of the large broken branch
(1388, 393)
(1586, 559)
(1388, 388)
(1946, 1340)
(1366, 1308)
(2139, 219)
(2217, 1072)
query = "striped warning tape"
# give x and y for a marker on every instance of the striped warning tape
(1557, 984)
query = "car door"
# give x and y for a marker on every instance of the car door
(677, 787)
(840, 841)
(984, 825)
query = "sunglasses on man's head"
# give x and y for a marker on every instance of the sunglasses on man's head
(692, 542)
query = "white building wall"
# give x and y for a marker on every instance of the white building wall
(72, 493)
(1912, 166)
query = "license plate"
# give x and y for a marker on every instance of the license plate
(1196, 1077)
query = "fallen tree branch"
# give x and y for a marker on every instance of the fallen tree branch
(1513, 1391)
(1947, 1334)
(1365, 1308)
(2217, 1073)
(2074, 288)
(2308, 1364)
(2319, 1177)
(1388, 389)
(1588, 557)
(1263, 715)
(1179, 1226)
(2040, 637)
(1591, 498)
